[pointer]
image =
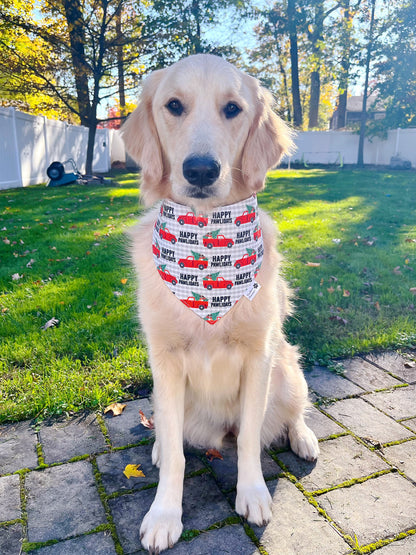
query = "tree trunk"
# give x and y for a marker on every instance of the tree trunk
(286, 89)
(345, 69)
(297, 107)
(92, 131)
(316, 38)
(360, 158)
(197, 38)
(73, 14)
(314, 99)
(120, 66)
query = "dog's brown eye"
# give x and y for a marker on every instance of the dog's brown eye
(231, 110)
(175, 107)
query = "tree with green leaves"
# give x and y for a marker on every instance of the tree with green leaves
(22, 59)
(84, 42)
(269, 61)
(344, 46)
(368, 53)
(396, 70)
(181, 28)
(317, 13)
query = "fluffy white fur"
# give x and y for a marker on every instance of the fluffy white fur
(239, 374)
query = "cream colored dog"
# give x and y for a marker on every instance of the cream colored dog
(240, 374)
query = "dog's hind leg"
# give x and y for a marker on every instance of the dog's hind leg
(162, 525)
(287, 404)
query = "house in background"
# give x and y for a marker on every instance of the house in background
(353, 113)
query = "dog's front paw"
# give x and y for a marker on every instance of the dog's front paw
(303, 442)
(254, 503)
(160, 529)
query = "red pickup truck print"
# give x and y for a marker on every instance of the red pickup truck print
(200, 302)
(218, 283)
(216, 240)
(247, 259)
(257, 233)
(164, 233)
(246, 217)
(191, 262)
(191, 219)
(156, 249)
(166, 275)
(212, 318)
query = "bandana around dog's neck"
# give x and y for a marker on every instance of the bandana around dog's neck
(209, 261)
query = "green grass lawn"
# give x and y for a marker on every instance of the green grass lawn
(63, 255)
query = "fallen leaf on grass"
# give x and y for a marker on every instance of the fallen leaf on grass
(212, 454)
(16, 277)
(346, 293)
(115, 408)
(397, 271)
(342, 321)
(377, 305)
(50, 323)
(124, 281)
(146, 422)
(413, 290)
(409, 240)
(132, 471)
(313, 264)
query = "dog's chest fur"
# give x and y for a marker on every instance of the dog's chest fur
(211, 357)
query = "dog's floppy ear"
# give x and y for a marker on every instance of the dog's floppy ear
(142, 141)
(269, 139)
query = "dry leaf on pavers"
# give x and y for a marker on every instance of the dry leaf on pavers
(146, 422)
(409, 364)
(115, 408)
(212, 454)
(132, 471)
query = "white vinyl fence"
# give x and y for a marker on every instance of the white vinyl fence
(341, 147)
(28, 144)
(333, 147)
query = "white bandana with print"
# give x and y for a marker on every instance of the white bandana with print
(209, 261)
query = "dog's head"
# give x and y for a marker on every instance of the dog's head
(204, 133)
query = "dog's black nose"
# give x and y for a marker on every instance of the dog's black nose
(201, 170)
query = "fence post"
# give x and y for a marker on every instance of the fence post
(45, 138)
(16, 146)
(397, 141)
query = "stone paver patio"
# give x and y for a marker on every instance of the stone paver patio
(63, 491)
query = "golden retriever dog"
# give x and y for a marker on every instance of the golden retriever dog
(204, 134)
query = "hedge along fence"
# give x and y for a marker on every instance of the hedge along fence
(28, 144)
